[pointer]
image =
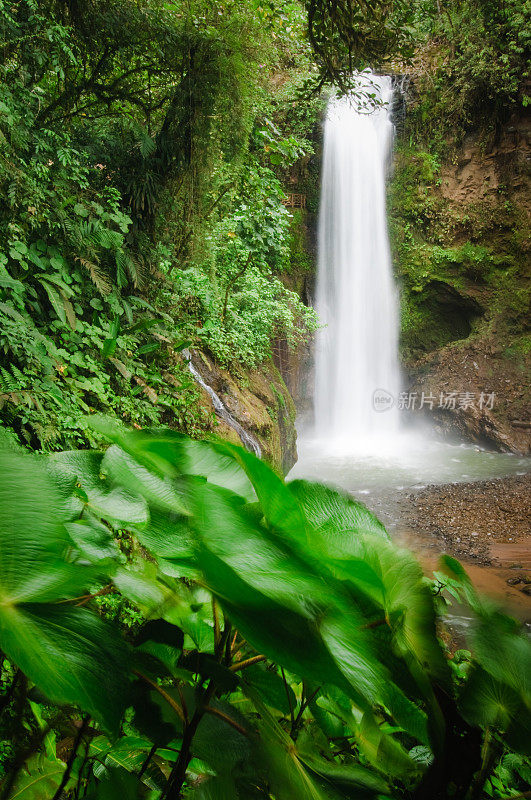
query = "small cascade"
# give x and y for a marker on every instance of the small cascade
(248, 441)
(357, 373)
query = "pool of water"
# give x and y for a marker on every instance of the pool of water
(409, 460)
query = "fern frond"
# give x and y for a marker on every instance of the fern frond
(98, 275)
(131, 268)
(10, 383)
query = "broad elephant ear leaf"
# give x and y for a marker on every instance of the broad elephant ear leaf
(39, 779)
(487, 702)
(170, 455)
(281, 510)
(228, 533)
(81, 465)
(334, 515)
(351, 777)
(69, 653)
(286, 774)
(72, 656)
(354, 545)
(159, 492)
(128, 754)
(93, 539)
(216, 787)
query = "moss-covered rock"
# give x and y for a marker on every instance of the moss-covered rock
(459, 228)
(259, 401)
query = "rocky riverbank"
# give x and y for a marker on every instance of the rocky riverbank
(486, 524)
(470, 519)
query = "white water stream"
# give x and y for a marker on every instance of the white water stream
(357, 302)
(357, 443)
(246, 438)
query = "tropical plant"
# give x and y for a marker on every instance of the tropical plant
(287, 648)
(100, 194)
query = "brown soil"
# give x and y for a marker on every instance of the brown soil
(486, 524)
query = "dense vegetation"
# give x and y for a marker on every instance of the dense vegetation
(461, 257)
(139, 208)
(285, 648)
(175, 619)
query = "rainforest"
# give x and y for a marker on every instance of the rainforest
(264, 400)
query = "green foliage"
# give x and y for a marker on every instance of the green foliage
(234, 304)
(286, 647)
(128, 134)
(477, 70)
(351, 36)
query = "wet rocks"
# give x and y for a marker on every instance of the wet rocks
(470, 519)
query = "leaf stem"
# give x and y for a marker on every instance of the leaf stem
(72, 757)
(291, 714)
(146, 761)
(225, 717)
(248, 662)
(173, 789)
(169, 699)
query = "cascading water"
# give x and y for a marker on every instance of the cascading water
(248, 441)
(358, 444)
(357, 302)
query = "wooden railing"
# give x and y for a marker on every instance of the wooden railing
(295, 201)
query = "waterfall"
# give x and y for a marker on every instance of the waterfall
(248, 441)
(357, 376)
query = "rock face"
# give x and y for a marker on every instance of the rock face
(460, 234)
(260, 402)
(490, 395)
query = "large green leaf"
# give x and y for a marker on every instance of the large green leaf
(38, 780)
(117, 783)
(217, 787)
(75, 472)
(30, 525)
(209, 460)
(68, 652)
(504, 650)
(93, 539)
(120, 507)
(352, 650)
(384, 751)
(160, 451)
(219, 744)
(170, 539)
(271, 688)
(279, 506)
(499, 643)
(284, 769)
(392, 580)
(72, 656)
(334, 515)
(82, 465)
(129, 754)
(159, 492)
(350, 776)
(487, 702)
(284, 636)
(234, 538)
(170, 454)
(260, 583)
